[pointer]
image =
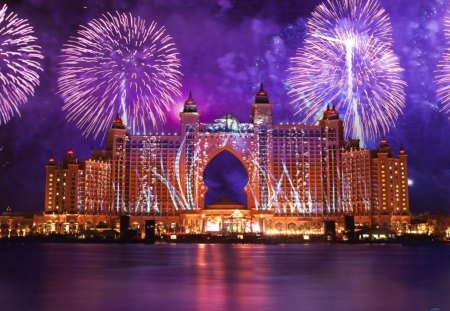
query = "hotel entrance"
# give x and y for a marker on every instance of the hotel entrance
(235, 223)
(226, 225)
(233, 226)
(229, 220)
(225, 216)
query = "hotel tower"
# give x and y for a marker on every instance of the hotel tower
(298, 175)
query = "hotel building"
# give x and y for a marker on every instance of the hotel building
(298, 176)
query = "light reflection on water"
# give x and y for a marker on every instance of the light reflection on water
(223, 277)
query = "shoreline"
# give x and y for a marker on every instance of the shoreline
(206, 239)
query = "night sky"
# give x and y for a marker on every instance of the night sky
(226, 48)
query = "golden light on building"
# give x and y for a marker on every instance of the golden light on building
(298, 176)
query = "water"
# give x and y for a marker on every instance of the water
(224, 277)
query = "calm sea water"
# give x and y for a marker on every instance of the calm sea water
(224, 277)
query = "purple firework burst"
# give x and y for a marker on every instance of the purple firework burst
(119, 63)
(348, 61)
(20, 61)
(443, 71)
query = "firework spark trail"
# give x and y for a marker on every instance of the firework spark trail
(273, 185)
(119, 63)
(20, 64)
(348, 60)
(443, 70)
(144, 195)
(182, 197)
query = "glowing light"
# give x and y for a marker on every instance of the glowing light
(410, 182)
(19, 63)
(347, 60)
(119, 63)
(212, 226)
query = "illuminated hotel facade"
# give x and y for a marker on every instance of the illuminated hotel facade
(298, 177)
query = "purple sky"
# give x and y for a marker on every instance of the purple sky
(226, 47)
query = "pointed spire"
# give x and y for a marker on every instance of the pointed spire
(330, 114)
(69, 158)
(384, 147)
(190, 100)
(51, 161)
(189, 104)
(326, 113)
(402, 150)
(117, 122)
(261, 96)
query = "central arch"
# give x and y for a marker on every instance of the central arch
(210, 148)
(240, 146)
(225, 176)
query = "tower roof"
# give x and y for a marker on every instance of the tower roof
(190, 105)
(384, 142)
(402, 150)
(261, 97)
(51, 161)
(118, 123)
(69, 158)
(330, 114)
(384, 147)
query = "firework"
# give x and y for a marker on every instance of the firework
(119, 63)
(19, 63)
(443, 71)
(347, 60)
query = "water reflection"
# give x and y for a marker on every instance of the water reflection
(228, 279)
(223, 277)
